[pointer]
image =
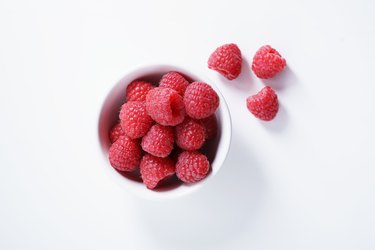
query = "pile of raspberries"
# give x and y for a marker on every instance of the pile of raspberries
(267, 63)
(162, 128)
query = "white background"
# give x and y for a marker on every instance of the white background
(302, 181)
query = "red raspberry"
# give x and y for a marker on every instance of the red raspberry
(137, 90)
(192, 166)
(165, 106)
(267, 62)
(155, 169)
(264, 105)
(226, 60)
(158, 141)
(116, 132)
(135, 121)
(200, 100)
(125, 154)
(190, 134)
(174, 80)
(210, 124)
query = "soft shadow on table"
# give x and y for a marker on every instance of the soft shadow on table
(282, 81)
(215, 214)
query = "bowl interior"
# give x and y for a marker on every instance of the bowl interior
(216, 149)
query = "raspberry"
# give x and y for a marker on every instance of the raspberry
(264, 105)
(135, 121)
(190, 134)
(200, 100)
(158, 141)
(116, 132)
(192, 166)
(226, 60)
(210, 124)
(174, 80)
(155, 169)
(267, 62)
(165, 106)
(137, 90)
(125, 154)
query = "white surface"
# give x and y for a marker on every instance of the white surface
(303, 181)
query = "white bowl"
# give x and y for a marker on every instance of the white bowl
(217, 149)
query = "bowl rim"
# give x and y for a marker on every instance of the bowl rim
(224, 143)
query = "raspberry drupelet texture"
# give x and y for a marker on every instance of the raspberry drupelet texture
(115, 132)
(190, 134)
(174, 80)
(264, 105)
(165, 106)
(192, 166)
(125, 154)
(158, 141)
(137, 90)
(135, 121)
(226, 60)
(200, 100)
(210, 124)
(267, 62)
(154, 169)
